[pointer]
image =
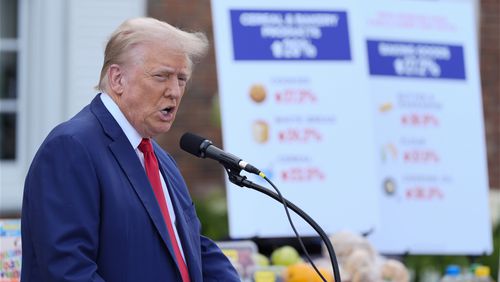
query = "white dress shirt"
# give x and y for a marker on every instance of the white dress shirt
(135, 139)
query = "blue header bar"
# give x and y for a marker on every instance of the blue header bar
(412, 59)
(290, 35)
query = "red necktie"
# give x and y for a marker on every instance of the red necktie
(153, 172)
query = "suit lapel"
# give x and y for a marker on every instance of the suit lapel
(192, 262)
(130, 164)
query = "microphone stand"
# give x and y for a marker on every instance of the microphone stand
(240, 180)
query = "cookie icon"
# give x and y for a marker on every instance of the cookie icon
(258, 93)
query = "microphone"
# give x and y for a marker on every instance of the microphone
(203, 148)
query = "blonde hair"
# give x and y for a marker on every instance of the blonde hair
(137, 31)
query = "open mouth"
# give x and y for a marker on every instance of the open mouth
(167, 110)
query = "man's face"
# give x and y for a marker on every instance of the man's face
(153, 83)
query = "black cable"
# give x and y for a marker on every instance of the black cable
(243, 182)
(299, 238)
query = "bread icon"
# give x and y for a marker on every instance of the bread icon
(258, 93)
(260, 131)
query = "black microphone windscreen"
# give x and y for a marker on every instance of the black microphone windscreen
(191, 143)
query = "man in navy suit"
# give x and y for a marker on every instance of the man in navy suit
(91, 211)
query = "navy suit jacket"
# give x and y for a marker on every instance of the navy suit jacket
(89, 212)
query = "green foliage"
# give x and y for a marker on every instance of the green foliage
(215, 112)
(212, 211)
(439, 263)
(493, 260)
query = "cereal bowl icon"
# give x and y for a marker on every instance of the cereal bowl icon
(258, 93)
(385, 107)
(260, 131)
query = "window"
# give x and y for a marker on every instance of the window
(8, 78)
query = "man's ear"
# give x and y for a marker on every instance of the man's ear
(115, 78)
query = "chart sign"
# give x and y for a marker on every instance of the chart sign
(359, 112)
(425, 89)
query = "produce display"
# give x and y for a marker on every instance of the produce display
(358, 262)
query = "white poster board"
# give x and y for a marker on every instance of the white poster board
(329, 101)
(287, 110)
(425, 87)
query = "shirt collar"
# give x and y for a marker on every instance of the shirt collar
(132, 135)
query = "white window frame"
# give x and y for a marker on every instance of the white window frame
(52, 83)
(12, 171)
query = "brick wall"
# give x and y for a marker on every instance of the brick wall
(490, 82)
(198, 114)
